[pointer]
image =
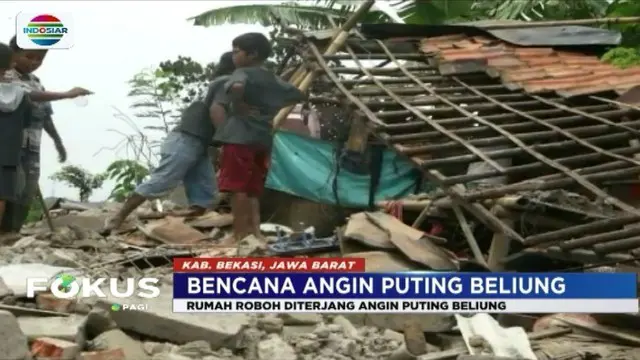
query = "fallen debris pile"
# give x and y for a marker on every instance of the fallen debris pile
(532, 149)
(64, 329)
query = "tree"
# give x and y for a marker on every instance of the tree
(628, 53)
(539, 10)
(186, 78)
(127, 174)
(81, 179)
(158, 97)
(311, 16)
(161, 93)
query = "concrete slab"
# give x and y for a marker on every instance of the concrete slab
(58, 327)
(159, 321)
(117, 339)
(13, 343)
(275, 348)
(15, 275)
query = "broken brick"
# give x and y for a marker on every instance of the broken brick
(58, 349)
(113, 354)
(47, 301)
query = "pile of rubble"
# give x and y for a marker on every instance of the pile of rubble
(91, 329)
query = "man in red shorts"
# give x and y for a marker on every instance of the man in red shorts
(245, 108)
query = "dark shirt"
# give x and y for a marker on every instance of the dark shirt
(13, 121)
(41, 111)
(195, 118)
(264, 92)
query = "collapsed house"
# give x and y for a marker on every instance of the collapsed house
(523, 136)
(500, 143)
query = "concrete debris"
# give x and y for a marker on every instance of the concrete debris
(13, 342)
(484, 336)
(4, 289)
(251, 246)
(160, 322)
(300, 318)
(274, 347)
(15, 276)
(117, 339)
(116, 354)
(60, 327)
(90, 329)
(172, 230)
(271, 324)
(46, 301)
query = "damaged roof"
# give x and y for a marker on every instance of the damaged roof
(533, 69)
(524, 118)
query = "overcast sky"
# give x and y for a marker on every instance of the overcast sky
(113, 41)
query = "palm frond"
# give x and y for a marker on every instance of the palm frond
(313, 17)
(432, 12)
(269, 15)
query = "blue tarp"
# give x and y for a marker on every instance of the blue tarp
(305, 167)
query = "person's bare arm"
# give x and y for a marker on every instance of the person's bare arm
(217, 114)
(50, 128)
(235, 89)
(45, 96)
(217, 109)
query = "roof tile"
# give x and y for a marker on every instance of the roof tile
(542, 61)
(535, 69)
(506, 61)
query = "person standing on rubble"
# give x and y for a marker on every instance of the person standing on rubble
(184, 157)
(252, 96)
(26, 62)
(15, 114)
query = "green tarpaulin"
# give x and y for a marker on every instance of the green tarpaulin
(306, 167)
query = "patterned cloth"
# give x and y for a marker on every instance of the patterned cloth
(41, 110)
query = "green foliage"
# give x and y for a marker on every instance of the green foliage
(628, 54)
(540, 10)
(630, 32)
(435, 12)
(161, 93)
(153, 96)
(185, 78)
(623, 57)
(127, 174)
(80, 179)
(35, 212)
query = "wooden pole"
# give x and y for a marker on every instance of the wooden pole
(337, 41)
(500, 244)
(45, 210)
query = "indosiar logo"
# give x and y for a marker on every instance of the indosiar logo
(44, 31)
